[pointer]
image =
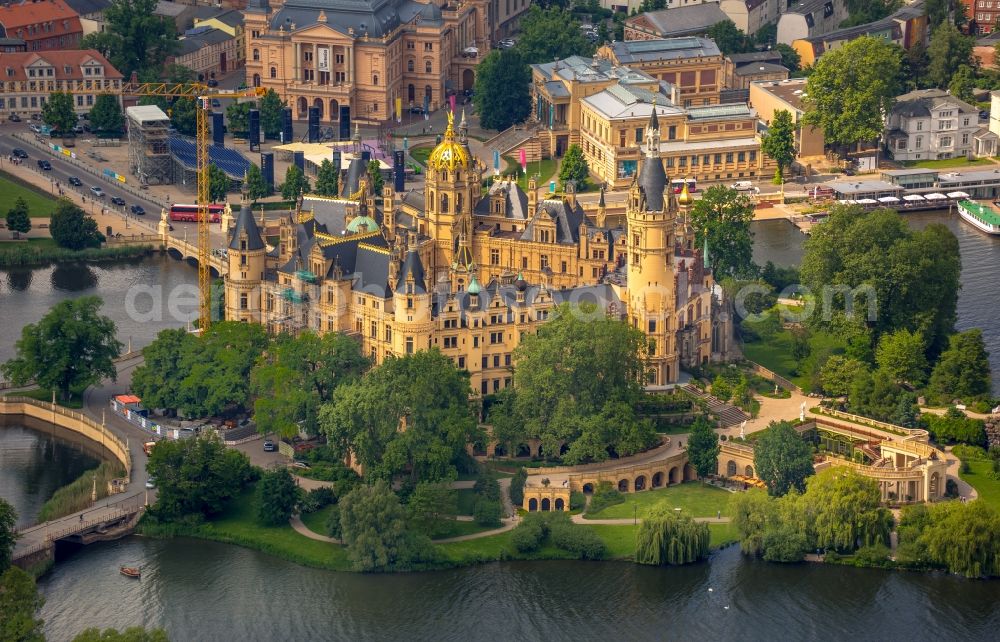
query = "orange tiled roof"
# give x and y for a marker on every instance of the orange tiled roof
(20, 16)
(59, 59)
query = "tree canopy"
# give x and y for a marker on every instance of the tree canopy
(502, 90)
(298, 374)
(20, 601)
(218, 184)
(296, 182)
(551, 34)
(723, 215)
(729, 38)
(880, 272)
(270, 113)
(373, 524)
(238, 116)
(135, 39)
(703, 447)
(8, 533)
(257, 188)
(901, 355)
(963, 371)
(779, 142)
(106, 115)
(574, 168)
(70, 348)
(576, 383)
(277, 495)
(852, 89)
(961, 537)
(72, 228)
(782, 459)
(668, 539)
(18, 219)
(59, 114)
(327, 178)
(196, 476)
(948, 50)
(789, 57)
(409, 415)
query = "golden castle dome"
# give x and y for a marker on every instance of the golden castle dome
(684, 198)
(450, 154)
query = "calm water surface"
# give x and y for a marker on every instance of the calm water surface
(207, 591)
(34, 464)
(26, 294)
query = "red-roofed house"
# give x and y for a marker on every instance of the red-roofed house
(43, 25)
(27, 79)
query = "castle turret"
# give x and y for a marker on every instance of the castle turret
(412, 304)
(246, 267)
(651, 289)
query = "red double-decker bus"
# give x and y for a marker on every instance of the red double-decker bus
(189, 213)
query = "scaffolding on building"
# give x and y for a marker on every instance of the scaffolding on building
(149, 145)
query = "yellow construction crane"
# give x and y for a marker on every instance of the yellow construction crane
(203, 96)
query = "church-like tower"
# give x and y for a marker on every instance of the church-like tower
(451, 191)
(246, 267)
(650, 215)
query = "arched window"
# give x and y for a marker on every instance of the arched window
(409, 64)
(375, 79)
(256, 80)
(274, 72)
(444, 203)
(428, 66)
(427, 92)
(256, 54)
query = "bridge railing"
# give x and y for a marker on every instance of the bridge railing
(60, 528)
(107, 437)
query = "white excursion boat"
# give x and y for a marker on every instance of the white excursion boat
(980, 216)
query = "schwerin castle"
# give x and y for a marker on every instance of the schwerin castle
(470, 274)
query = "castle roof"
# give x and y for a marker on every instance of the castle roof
(412, 267)
(245, 224)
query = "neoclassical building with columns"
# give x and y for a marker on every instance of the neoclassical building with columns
(356, 57)
(470, 273)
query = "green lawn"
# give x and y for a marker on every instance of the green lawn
(544, 169)
(466, 501)
(775, 353)
(947, 162)
(454, 528)
(40, 203)
(420, 154)
(316, 521)
(238, 525)
(694, 498)
(979, 478)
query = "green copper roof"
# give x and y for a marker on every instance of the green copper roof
(355, 225)
(984, 213)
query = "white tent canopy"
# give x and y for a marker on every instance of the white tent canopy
(867, 201)
(957, 195)
(934, 196)
(888, 199)
(913, 198)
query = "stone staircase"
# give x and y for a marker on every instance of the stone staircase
(728, 415)
(511, 138)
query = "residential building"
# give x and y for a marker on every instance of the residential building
(688, 20)
(769, 97)
(810, 18)
(470, 275)
(182, 15)
(27, 79)
(692, 64)
(91, 14)
(906, 27)
(750, 15)
(632, 6)
(209, 51)
(982, 14)
(930, 124)
(353, 59)
(44, 26)
(709, 144)
(12, 45)
(558, 87)
(745, 68)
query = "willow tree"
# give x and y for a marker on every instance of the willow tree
(665, 538)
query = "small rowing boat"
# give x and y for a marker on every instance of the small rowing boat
(130, 571)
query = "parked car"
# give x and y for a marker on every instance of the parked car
(269, 446)
(216, 104)
(44, 164)
(118, 200)
(212, 82)
(151, 482)
(137, 210)
(984, 115)
(75, 182)
(416, 110)
(17, 152)
(35, 128)
(97, 191)
(36, 116)
(78, 129)
(14, 118)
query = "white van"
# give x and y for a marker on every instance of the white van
(744, 186)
